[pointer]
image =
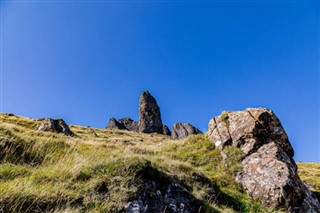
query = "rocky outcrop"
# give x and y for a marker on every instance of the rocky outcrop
(270, 175)
(129, 124)
(150, 120)
(183, 130)
(166, 130)
(114, 124)
(123, 123)
(159, 192)
(269, 171)
(55, 125)
(149, 114)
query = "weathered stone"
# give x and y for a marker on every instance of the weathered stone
(123, 123)
(248, 129)
(162, 193)
(55, 125)
(270, 175)
(183, 130)
(129, 124)
(114, 124)
(166, 130)
(149, 114)
(269, 171)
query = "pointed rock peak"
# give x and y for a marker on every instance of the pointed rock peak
(149, 114)
(148, 98)
(146, 93)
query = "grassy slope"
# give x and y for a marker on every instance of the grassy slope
(96, 170)
(310, 174)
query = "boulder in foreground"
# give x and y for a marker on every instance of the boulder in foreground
(269, 171)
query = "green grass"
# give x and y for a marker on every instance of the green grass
(310, 174)
(225, 118)
(100, 170)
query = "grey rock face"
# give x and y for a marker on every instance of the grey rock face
(269, 171)
(55, 125)
(149, 114)
(161, 193)
(166, 130)
(270, 175)
(129, 124)
(183, 130)
(114, 124)
(248, 129)
(123, 123)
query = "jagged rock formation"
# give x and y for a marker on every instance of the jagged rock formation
(123, 123)
(269, 171)
(55, 125)
(150, 120)
(114, 124)
(149, 114)
(183, 130)
(166, 130)
(129, 124)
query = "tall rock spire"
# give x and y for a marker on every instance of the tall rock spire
(149, 114)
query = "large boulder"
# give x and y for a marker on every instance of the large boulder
(149, 114)
(248, 129)
(269, 171)
(270, 175)
(183, 130)
(54, 125)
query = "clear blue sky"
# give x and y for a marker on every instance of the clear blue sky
(86, 62)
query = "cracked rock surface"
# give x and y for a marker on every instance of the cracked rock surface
(269, 171)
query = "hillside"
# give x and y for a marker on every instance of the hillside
(103, 170)
(310, 174)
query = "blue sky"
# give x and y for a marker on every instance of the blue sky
(87, 61)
